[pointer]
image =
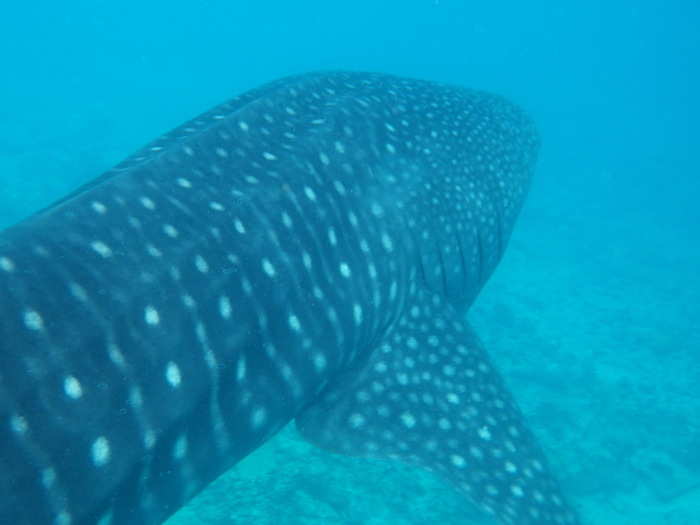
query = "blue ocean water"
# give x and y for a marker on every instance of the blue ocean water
(593, 315)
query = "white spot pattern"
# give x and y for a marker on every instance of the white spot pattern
(72, 387)
(101, 248)
(151, 315)
(172, 374)
(268, 268)
(7, 264)
(225, 307)
(33, 320)
(100, 451)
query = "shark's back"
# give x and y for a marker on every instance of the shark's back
(253, 266)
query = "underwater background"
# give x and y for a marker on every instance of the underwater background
(593, 317)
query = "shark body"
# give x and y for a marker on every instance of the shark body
(305, 251)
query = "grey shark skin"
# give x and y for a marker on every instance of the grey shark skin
(307, 250)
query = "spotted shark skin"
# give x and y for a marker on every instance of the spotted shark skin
(305, 251)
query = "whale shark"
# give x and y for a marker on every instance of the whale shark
(306, 251)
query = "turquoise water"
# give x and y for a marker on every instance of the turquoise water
(593, 315)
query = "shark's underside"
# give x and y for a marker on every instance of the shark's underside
(307, 250)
